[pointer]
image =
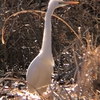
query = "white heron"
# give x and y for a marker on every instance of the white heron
(40, 70)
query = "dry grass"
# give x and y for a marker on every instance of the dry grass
(76, 47)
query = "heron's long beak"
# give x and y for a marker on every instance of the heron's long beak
(72, 2)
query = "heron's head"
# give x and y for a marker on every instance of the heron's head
(60, 3)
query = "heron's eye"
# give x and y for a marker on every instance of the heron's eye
(61, 3)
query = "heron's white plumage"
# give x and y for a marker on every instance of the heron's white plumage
(40, 69)
(41, 74)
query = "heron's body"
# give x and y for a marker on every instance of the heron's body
(40, 69)
(41, 74)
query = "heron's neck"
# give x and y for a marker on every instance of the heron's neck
(46, 43)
